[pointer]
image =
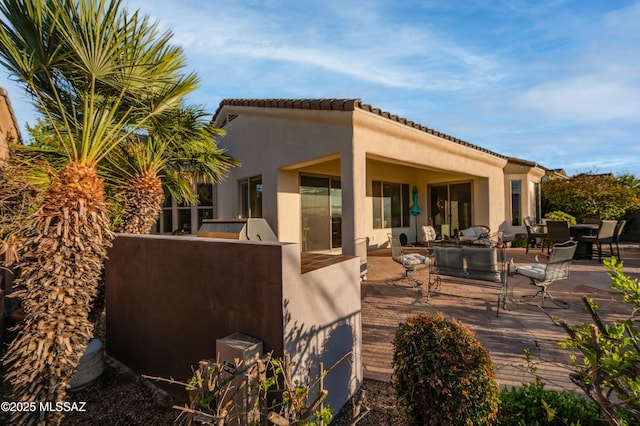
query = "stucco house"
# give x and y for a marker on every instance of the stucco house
(9, 130)
(337, 175)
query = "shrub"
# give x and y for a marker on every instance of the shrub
(608, 369)
(592, 195)
(442, 373)
(562, 216)
(531, 405)
(519, 242)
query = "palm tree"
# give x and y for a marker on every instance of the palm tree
(178, 150)
(97, 74)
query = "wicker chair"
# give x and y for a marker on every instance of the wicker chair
(617, 234)
(605, 235)
(533, 236)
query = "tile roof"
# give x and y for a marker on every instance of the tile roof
(523, 162)
(343, 105)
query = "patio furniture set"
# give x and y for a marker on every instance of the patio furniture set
(602, 233)
(481, 256)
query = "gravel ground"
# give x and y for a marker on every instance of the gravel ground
(119, 397)
(116, 398)
(377, 407)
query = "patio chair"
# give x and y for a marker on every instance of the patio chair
(555, 269)
(557, 232)
(605, 235)
(474, 233)
(408, 261)
(533, 235)
(617, 234)
(429, 234)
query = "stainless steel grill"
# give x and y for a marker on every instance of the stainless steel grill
(252, 229)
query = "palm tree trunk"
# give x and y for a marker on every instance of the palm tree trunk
(142, 202)
(65, 248)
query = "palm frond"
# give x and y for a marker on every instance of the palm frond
(97, 74)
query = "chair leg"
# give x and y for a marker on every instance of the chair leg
(417, 282)
(532, 296)
(545, 295)
(407, 276)
(599, 252)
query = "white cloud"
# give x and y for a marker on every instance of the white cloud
(363, 44)
(514, 76)
(600, 97)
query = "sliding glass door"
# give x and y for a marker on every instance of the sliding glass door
(321, 205)
(450, 208)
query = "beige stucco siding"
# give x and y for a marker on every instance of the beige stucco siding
(527, 175)
(406, 155)
(359, 146)
(275, 143)
(9, 131)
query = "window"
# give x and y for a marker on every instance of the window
(205, 202)
(251, 197)
(186, 217)
(390, 205)
(516, 198)
(166, 220)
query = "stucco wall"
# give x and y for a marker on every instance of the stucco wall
(9, 131)
(433, 160)
(267, 141)
(359, 146)
(169, 299)
(321, 311)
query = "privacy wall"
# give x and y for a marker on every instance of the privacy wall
(169, 298)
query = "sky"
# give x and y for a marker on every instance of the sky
(554, 82)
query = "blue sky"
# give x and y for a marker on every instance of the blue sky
(555, 82)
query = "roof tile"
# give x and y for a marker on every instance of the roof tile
(342, 105)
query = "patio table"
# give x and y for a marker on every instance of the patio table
(584, 249)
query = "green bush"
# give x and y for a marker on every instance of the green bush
(532, 405)
(442, 373)
(608, 368)
(519, 242)
(562, 216)
(592, 195)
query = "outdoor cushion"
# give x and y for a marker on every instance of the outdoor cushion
(533, 270)
(429, 233)
(473, 233)
(412, 259)
(469, 232)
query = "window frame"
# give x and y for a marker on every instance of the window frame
(387, 213)
(516, 202)
(247, 206)
(172, 210)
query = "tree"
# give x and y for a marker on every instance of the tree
(591, 196)
(97, 74)
(609, 371)
(177, 151)
(19, 197)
